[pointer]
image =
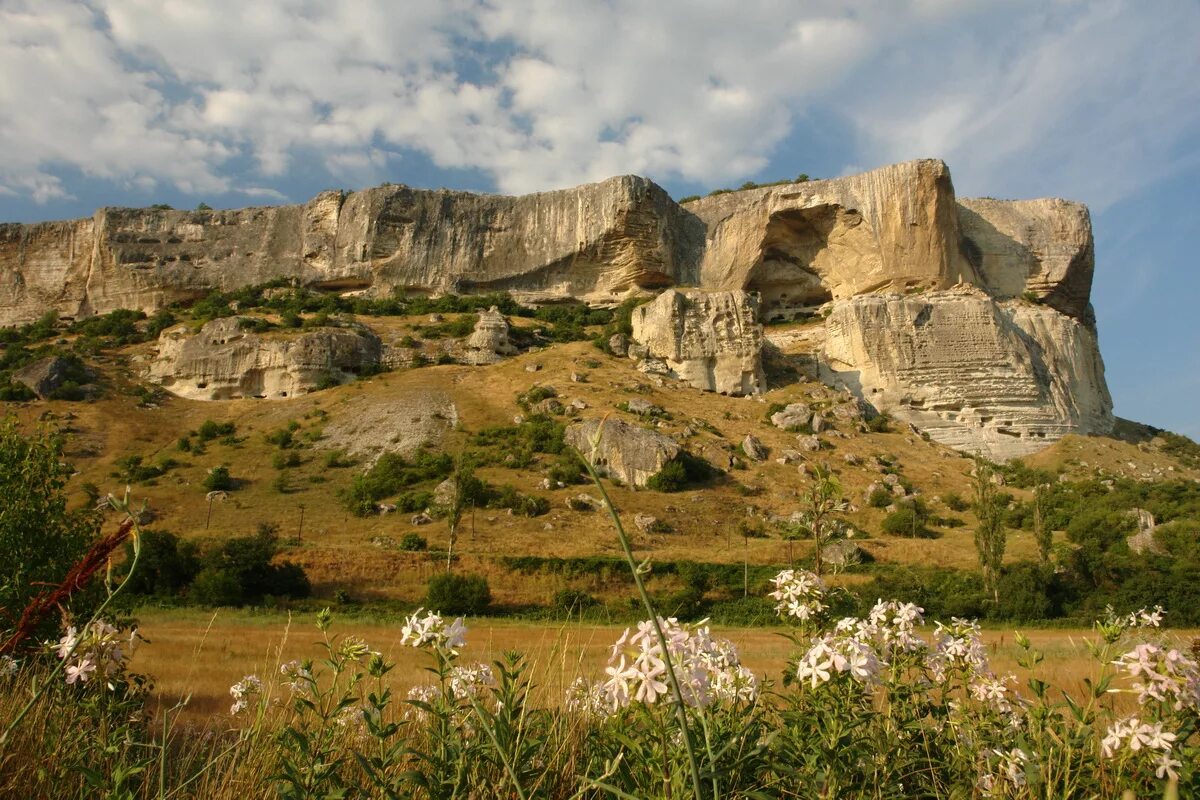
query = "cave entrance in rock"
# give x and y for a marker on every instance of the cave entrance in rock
(801, 248)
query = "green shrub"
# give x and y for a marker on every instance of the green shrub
(908, 520)
(955, 502)
(683, 471)
(449, 593)
(572, 601)
(167, 564)
(413, 543)
(880, 497)
(218, 479)
(210, 429)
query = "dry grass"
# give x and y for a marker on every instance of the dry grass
(200, 655)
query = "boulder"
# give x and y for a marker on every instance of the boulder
(45, 376)
(225, 360)
(843, 553)
(618, 343)
(629, 452)
(710, 340)
(754, 449)
(819, 423)
(793, 415)
(643, 407)
(808, 444)
(647, 523)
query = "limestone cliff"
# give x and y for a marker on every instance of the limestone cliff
(596, 242)
(999, 379)
(224, 360)
(1006, 361)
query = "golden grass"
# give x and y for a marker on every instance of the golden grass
(201, 654)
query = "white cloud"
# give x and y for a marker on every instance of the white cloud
(1090, 98)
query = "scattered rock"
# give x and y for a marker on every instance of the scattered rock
(618, 343)
(851, 459)
(584, 502)
(227, 360)
(578, 377)
(46, 376)
(551, 405)
(844, 553)
(385, 508)
(1143, 541)
(533, 367)
(578, 404)
(643, 407)
(421, 519)
(647, 523)
(794, 415)
(754, 449)
(819, 423)
(808, 444)
(489, 343)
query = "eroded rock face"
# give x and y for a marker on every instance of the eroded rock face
(597, 241)
(1038, 246)
(1001, 379)
(489, 342)
(802, 244)
(711, 340)
(629, 452)
(224, 361)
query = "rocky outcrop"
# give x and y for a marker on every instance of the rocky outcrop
(711, 340)
(597, 241)
(1040, 247)
(625, 451)
(226, 360)
(1003, 380)
(401, 420)
(489, 342)
(802, 244)
(47, 376)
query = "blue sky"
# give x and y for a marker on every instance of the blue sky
(132, 102)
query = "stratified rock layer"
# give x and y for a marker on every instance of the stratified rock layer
(711, 340)
(489, 342)
(224, 361)
(1002, 380)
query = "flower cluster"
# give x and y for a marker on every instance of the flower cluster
(464, 682)
(1167, 676)
(798, 594)
(1132, 736)
(243, 693)
(428, 630)
(1007, 772)
(471, 680)
(1113, 626)
(297, 676)
(707, 667)
(98, 650)
(957, 649)
(839, 653)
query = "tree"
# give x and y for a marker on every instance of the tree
(1041, 531)
(991, 536)
(822, 502)
(40, 538)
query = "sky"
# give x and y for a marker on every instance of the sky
(134, 102)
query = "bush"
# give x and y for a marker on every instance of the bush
(955, 502)
(413, 543)
(572, 601)
(166, 567)
(210, 429)
(241, 571)
(448, 593)
(880, 497)
(679, 474)
(218, 479)
(908, 520)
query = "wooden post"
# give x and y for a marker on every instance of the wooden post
(300, 530)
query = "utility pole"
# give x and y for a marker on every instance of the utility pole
(300, 530)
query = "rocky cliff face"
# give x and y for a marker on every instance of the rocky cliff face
(986, 368)
(223, 361)
(999, 379)
(711, 340)
(596, 242)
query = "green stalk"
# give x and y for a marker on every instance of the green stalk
(676, 692)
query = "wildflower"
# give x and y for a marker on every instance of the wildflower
(798, 594)
(430, 630)
(418, 695)
(587, 698)
(1165, 767)
(297, 675)
(1009, 772)
(8, 666)
(1162, 675)
(242, 692)
(97, 649)
(838, 654)
(1136, 736)
(470, 680)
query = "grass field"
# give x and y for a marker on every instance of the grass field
(201, 654)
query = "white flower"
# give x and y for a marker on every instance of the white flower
(430, 630)
(8, 666)
(1165, 767)
(243, 691)
(80, 671)
(798, 594)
